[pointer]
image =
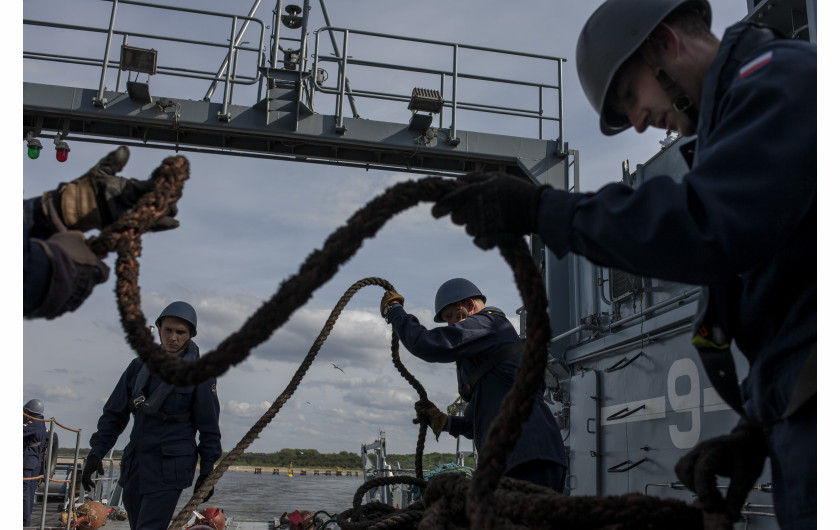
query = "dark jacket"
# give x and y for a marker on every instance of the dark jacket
(34, 442)
(163, 451)
(468, 343)
(742, 221)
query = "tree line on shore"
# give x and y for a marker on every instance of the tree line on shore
(311, 458)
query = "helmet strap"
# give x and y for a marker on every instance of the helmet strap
(678, 96)
(679, 99)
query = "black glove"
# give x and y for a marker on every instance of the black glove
(739, 455)
(99, 197)
(497, 208)
(198, 482)
(92, 464)
(389, 298)
(434, 418)
(75, 271)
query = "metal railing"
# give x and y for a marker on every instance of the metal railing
(447, 78)
(461, 68)
(226, 73)
(48, 479)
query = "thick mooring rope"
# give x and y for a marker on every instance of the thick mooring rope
(485, 505)
(184, 515)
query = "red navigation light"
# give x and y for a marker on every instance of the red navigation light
(61, 151)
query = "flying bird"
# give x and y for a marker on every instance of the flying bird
(337, 367)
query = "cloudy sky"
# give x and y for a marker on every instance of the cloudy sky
(248, 224)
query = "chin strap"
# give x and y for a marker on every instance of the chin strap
(679, 98)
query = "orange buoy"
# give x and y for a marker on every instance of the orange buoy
(91, 515)
(211, 518)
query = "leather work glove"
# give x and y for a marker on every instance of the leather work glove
(739, 455)
(496, 208)
(198, 483)
(428, 412)
(99, 197)
(389, 298)
(92, 464)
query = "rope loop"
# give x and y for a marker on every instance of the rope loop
(489, 500)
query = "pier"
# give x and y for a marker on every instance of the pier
(330, 472)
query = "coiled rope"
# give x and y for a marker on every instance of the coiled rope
(485, 504)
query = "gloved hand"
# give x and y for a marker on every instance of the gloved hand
(75, 271)
(739, 455)
(198, 482)
(389, 298)
(99, 197)
(497, 208)
(428, 412)
(92, 463)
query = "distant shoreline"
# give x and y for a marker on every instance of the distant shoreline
(265, 470)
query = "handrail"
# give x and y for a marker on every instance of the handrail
(344, 61)
(224, 74)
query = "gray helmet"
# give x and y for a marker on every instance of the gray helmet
(452, 291)
(182, 310)
(611, 35)
(34, 406)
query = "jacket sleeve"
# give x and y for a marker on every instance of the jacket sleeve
(752, 183)
(206, 412)
(115, 414)
(461, 425)
(443, 344)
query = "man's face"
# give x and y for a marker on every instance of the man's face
(174, 335)
(639, 96)
(454, 313)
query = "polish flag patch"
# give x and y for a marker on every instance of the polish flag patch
(755, 64)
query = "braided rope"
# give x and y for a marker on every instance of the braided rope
(198, 496)
(491, 501)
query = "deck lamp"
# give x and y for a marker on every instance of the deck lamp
(33, 146)
(140, 60)
(61, 149)
(424, 100)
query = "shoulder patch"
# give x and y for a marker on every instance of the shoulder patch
(213, 388)
(755, 64)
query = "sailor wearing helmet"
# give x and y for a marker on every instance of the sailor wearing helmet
(741, 223)
(486, 351)
(160, 458)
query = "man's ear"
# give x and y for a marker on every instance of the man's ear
(664, 40)
(469, 303)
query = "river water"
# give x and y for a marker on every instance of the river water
(251, 497)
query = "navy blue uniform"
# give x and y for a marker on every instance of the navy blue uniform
(468, 344)
(743, 223)
(34, 441)
(160, 458)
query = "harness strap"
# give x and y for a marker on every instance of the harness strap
(151, 406)
(507, 351)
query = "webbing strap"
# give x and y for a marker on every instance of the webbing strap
(508, 351)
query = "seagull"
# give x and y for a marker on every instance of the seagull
(337, 367)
